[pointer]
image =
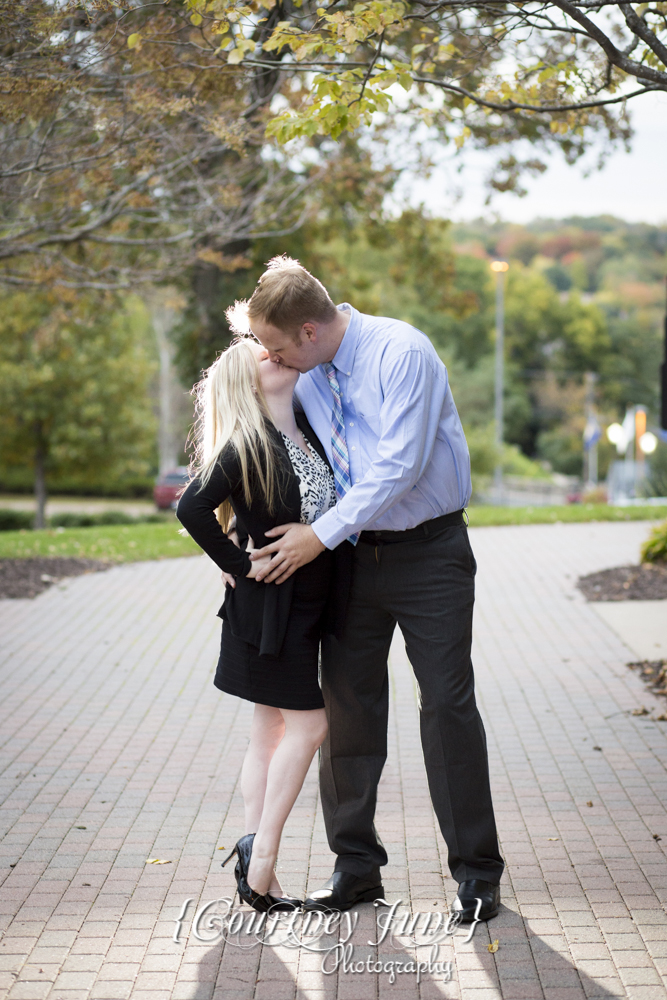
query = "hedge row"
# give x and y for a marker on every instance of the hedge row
(18, 520)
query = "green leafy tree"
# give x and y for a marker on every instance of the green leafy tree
(134, 137)
(74, 390)
(556, 72)
(123, 162)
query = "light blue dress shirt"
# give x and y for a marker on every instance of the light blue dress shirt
(409, 459)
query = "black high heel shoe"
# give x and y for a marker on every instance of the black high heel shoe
(262, 903)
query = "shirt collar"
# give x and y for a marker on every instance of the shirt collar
(344, 358)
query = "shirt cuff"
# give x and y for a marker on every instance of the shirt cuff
(330, 530)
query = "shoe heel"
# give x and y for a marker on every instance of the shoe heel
(229, 857)
(372, 894)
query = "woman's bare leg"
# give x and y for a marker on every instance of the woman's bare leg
(266, 732)
(304, 732)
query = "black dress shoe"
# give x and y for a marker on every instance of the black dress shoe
(467, 901)
(343, 891)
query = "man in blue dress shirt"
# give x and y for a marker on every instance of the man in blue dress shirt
(378, 397)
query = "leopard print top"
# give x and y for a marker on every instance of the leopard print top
(316, 481)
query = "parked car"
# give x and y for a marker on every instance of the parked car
(168, 488)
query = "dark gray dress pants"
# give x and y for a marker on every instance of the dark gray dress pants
(423, 580)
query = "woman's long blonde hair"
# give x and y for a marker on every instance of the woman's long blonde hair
(231, 409)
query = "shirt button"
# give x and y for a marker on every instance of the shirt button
(357, 479)
(351, 423)
(353, 448)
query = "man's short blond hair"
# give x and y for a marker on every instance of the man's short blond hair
(287, 296)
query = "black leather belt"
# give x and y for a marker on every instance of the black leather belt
(422, 530)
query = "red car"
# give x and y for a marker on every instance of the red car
(168, 488)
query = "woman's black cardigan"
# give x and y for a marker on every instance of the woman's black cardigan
(258, 612)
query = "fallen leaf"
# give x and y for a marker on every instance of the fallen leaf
(640, 711)
(597, 748)
(553, 838)
(661, 718)
(221, 848)
(590, 805)
(656, 837)
(156, 861)
(79, 827)
(493, 947)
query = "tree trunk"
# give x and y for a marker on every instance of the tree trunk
(40, 487)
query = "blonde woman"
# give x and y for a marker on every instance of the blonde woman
(259, 460)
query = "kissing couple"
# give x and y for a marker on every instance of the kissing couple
(332, 438)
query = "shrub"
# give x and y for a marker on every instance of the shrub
(74, 520)
(116, 517)
(16, 520)
(654, 548)
(69, 520)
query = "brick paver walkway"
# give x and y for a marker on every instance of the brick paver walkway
(117, 749)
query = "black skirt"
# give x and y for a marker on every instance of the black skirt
(289, 680)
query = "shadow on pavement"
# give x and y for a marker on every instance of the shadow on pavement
(298, 966)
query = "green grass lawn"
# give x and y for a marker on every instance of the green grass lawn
(486, 516)
(112, 543)
(136, 542)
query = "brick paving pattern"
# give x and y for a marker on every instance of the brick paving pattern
(116, 749)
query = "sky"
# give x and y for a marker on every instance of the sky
(632, 186)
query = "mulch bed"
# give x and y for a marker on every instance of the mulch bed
(647, 582)
(29, 577)
(654, 675)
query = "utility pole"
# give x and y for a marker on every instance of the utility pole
(592, 434)
(499, 267)
(663, 378)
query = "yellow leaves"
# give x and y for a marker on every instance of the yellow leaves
(134, 41)
(460, 139)
(233, 132)
(342, 31)
(227, 265)
(157, 861)
(243, 45)
(196, 19)
(493, 947)
(229, 195)
(547, 74)
(446, 52)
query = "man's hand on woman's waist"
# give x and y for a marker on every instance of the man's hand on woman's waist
(295, 545)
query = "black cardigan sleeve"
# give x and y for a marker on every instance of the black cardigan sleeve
(196, 512)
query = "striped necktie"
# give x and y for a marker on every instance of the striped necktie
(341, 458)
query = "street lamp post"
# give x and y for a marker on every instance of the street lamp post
(499, 267)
